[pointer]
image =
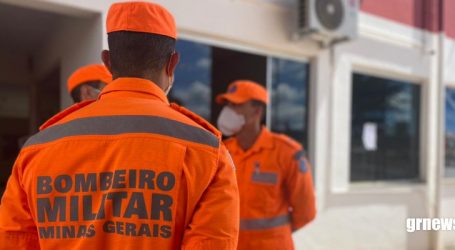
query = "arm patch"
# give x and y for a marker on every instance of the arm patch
(300, 156)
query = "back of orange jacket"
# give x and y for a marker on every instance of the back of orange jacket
(127, 171)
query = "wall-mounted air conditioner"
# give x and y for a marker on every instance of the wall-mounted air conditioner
(328, 20)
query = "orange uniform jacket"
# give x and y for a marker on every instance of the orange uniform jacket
(127, 171)
(276, 191)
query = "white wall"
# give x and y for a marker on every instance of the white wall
(214, 20)
(449, 61)
(344, 228)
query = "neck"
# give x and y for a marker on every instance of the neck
(153, 77)
(248, 136)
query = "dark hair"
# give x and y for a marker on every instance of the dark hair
(76, 93)
(134, 54)
(257, 103)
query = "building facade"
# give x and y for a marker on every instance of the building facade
(376, 114)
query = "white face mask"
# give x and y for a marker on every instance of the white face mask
(229, 122)
(171, 83)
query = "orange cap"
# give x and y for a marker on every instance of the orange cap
(89, 73)
(242, 91)
(141, 17)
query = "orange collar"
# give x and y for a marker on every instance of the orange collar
(138, 85)
(264, 141)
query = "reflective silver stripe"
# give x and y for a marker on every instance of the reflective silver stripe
(265, 177)
(114, 125)
(257, 224)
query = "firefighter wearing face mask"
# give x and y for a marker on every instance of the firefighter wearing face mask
(273, 172)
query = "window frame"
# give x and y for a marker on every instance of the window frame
(423, 84)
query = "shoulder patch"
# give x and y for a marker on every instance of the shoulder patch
(65, 113)
(300, 156)
(199, 120)
(296, 151)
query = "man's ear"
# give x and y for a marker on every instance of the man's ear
(260, 111)
(106, 58)
(172, 64)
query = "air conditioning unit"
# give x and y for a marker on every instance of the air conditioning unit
(328, 20)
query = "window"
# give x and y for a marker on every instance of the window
(290, 98)
(193, 78)
(450, 133)
(206, 71)
(385, 129)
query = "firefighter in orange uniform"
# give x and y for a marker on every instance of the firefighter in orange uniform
(87, 82)
(128, 170)
(273, 173)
